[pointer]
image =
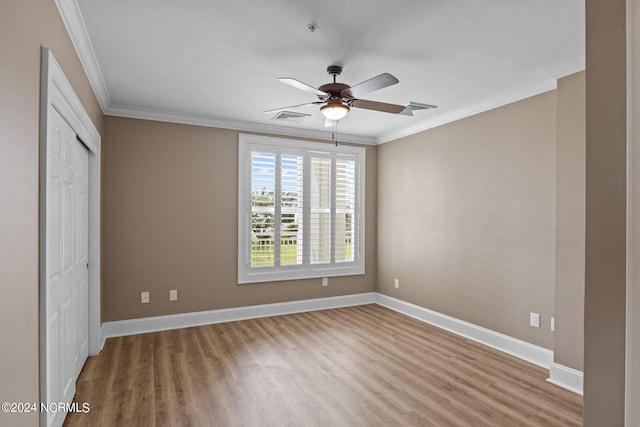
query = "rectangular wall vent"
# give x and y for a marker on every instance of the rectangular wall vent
(290, 116)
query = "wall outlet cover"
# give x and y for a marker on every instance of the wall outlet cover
(534, 319)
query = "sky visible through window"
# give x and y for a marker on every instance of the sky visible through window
(263, 175)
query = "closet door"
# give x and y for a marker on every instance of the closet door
(67, 263)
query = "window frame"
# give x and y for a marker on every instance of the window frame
(246, 273)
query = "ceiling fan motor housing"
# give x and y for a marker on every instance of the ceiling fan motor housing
(336, 106)
(334, 89)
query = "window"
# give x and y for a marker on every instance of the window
(300, 209)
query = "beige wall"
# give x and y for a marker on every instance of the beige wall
(170, 222)
(25, 26)
(605, 275)
(466, 218)
(570, 227)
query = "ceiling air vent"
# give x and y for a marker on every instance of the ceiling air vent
(290, 116)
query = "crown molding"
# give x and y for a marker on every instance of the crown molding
(72, 19)
(499, 101)
(187, 119)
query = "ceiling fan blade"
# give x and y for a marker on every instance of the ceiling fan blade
(308, 104)
(375, 83)
(303, 86)
(377, 106)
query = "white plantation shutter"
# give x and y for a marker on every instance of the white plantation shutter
(263, 204)
(300, 209)
(292, 204)
(345, 210)
(320, 211)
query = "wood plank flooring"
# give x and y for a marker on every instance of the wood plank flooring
(356, 366)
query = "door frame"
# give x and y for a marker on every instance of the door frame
(632, 371)
(56, 91)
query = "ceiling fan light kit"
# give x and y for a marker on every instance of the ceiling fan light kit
(334, 110)
(337, 99)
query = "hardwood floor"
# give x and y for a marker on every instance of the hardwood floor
(356, 366)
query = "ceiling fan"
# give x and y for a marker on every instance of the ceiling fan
(338, 98)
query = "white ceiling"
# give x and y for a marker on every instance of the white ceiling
(216, 62)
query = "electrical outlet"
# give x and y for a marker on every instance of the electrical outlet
(325, 281)
(534, 319)
(396, 283)
(144, 297)
(553, 324)
(173, 295)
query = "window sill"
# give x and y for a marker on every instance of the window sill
(292, 274)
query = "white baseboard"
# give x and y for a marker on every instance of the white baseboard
(521, 349)
(103, 338)
(185, 320)
(565, 377)
(560, 375)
